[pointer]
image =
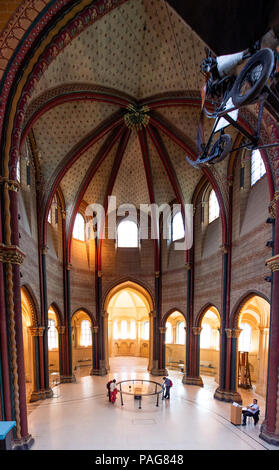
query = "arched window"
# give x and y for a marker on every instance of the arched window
(115, 329)
(123, 329)
(79, 228)
(177, 227)
(244, 343)
(168, 332)
(133, 332)
(213, 207)
(257, 167)
(52, 335)
(205, 339)
(85, 333)
(127, 234)
(145, 330)
(180, 333)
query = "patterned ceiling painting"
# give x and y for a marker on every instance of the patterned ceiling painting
(96, 190)
(59, 129)
(141, 48)
(73, 178)
(130, 185)
(163, 190)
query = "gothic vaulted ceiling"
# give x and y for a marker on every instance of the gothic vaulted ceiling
(116, 111)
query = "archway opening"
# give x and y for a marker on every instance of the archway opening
(253, 320)
(82, 343)
(53, 347)
(175, 341)
(129, 329)
(210, 344)
(27, 322)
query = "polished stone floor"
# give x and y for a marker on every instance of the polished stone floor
(79, 416)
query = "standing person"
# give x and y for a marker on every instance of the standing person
(108, 388)
(252, 410)
(167, 385)
(113, 391)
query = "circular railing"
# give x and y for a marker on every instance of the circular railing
(139, 388)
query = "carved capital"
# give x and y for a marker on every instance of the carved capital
(68, 267)
(162, 330)
(61, 329)
(95, 329)
(188, 266)
(99, 274)
(36, 330)
(157, 274)
(233, 332)
(196, 330)
(11, 254)
(10, 185)
(152, 314)
(224, 248)
(273, 263)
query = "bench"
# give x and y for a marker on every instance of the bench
(6, 430)
(207, 368)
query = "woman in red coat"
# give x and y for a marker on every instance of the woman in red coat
(113, 391)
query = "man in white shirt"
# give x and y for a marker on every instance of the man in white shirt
(252, 410)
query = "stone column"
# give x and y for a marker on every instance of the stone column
(95, 369)
(11, 256)
(195, 378)
(106, 340)
(270, 427)
(150, 353)
(263, 361)
(68, 376)
(231, 394)
(61, 345)
(163, 348)
(38, 393)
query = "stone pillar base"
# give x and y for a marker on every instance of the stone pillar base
(102, 370)
(24, 443)
(41, 394)
(228, 396)
(269, 437)
(67, 379)
(192, 380)
(159, 372)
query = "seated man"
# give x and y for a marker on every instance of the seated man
(252, 410)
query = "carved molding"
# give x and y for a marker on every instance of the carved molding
(11, 185)
(11, 254)
(273, 263)
(36, 330)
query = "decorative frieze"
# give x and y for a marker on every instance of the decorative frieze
(273, 263)
(36, 330)
(11, 254)
(11, 185)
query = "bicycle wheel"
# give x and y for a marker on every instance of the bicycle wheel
(220, 149)
(252, 78)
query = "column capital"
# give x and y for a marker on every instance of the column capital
(273, 263)
(162, 329)
(233, 332)
(60, 329)
(11, 254)
(63, 214)
(196, 330)
(105, 314)
(95, 329)
(11, 185)
(157, 274)
(152, 314)
(187, 266)
(99, 274)
(36, 330)
(44, 249)
(68, 266)
(225, 248)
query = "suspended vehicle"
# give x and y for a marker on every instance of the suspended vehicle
(225, 92)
